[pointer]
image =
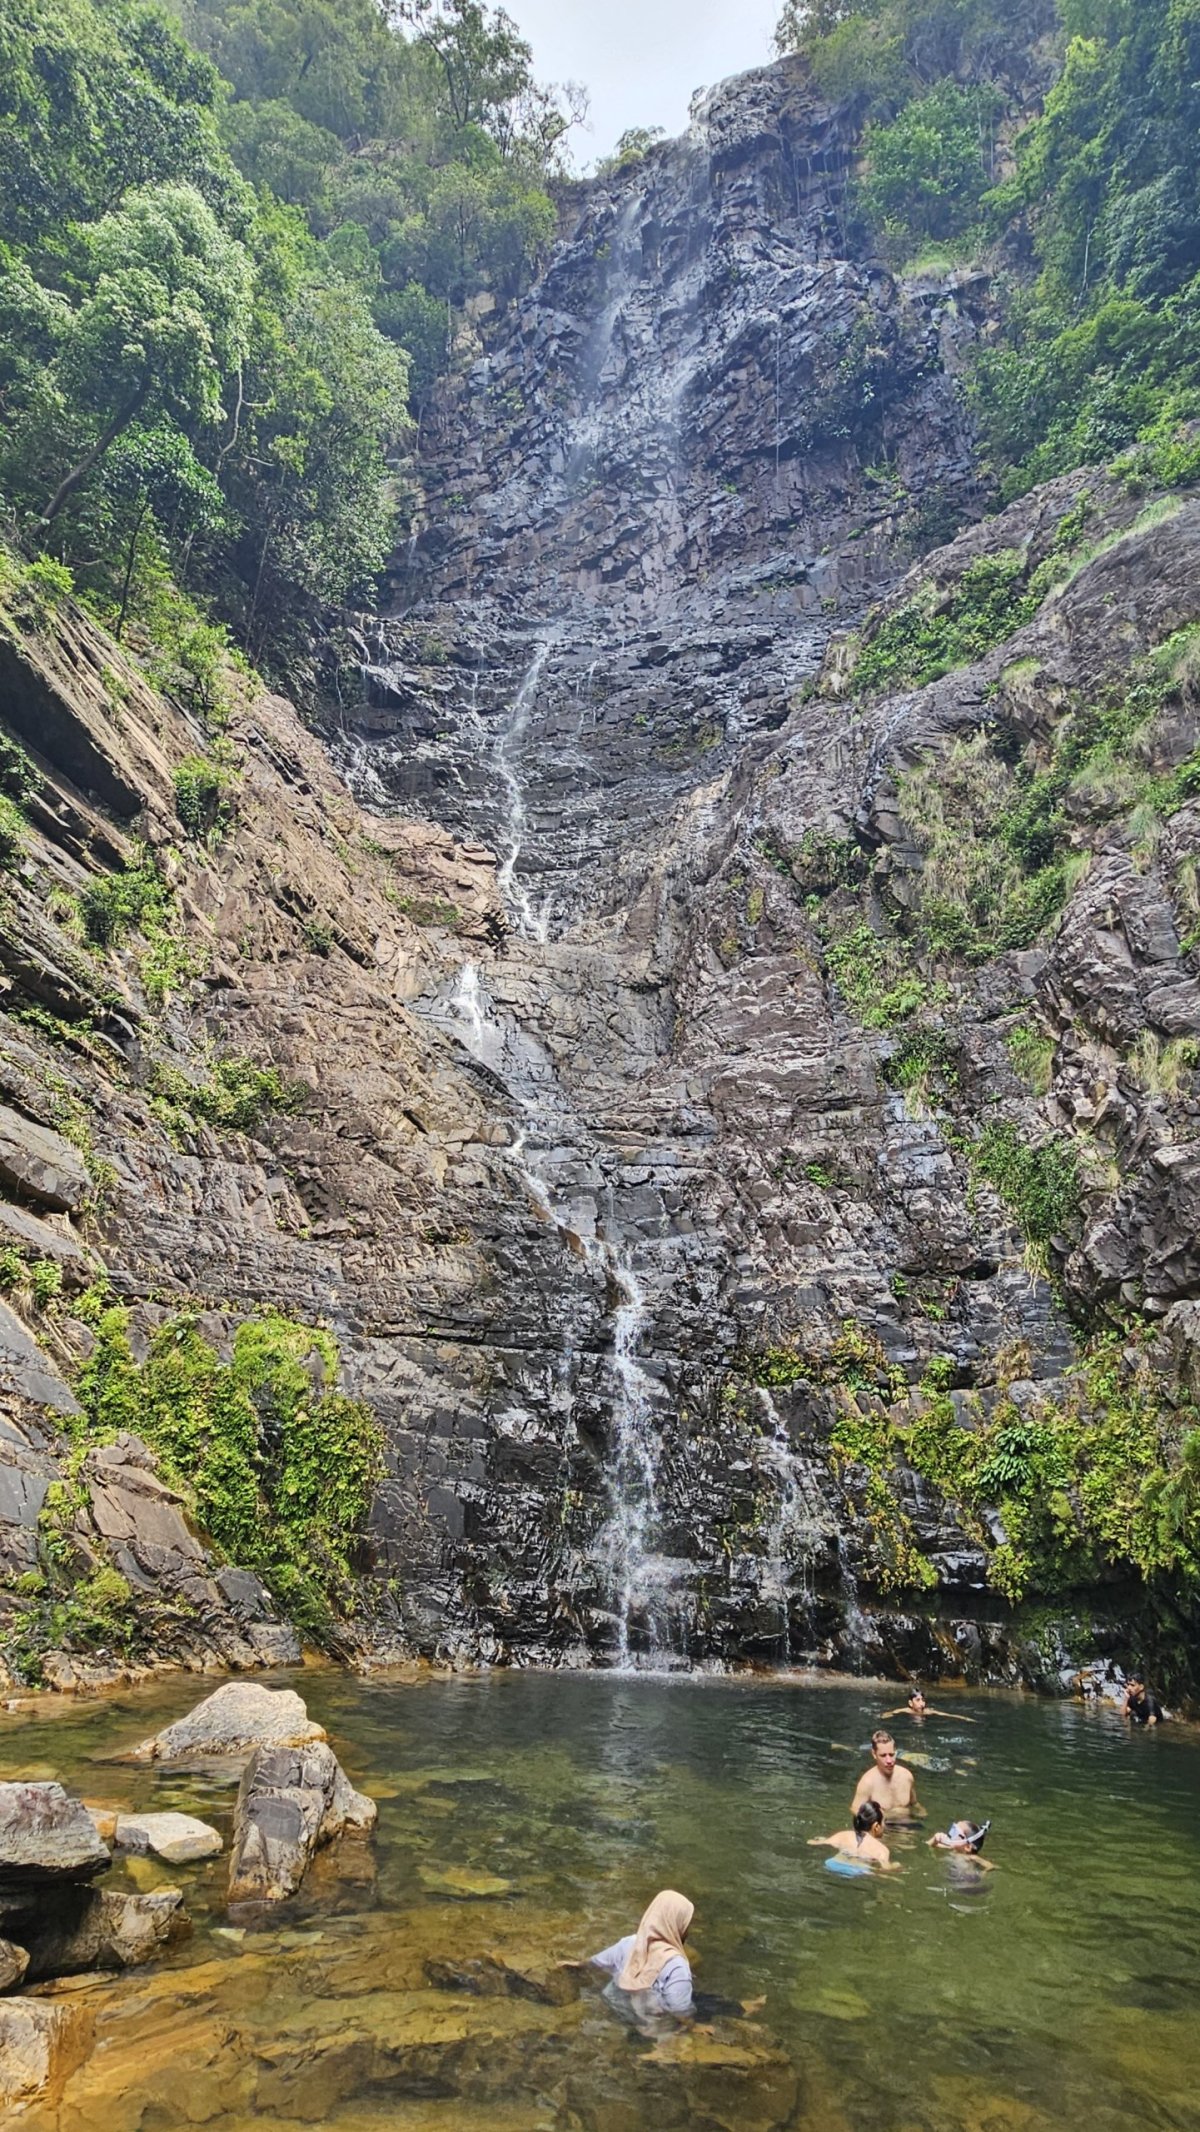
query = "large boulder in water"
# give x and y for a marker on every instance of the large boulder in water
(234, 1720)
(47, 1840)
(290, 1802)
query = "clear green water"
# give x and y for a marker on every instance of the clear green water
(529, 1817)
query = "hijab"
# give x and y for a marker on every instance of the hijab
(659, 1938)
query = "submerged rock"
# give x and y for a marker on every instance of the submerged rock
(234, 1720)
(41, 2043)
(177, 1838)
(92, 1928)
(46, 1839)
(291, 1801)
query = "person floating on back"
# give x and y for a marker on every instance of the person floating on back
(888, 1782)
(965, 1838)
(861, 1844)
(1140, 1707)
(651, 1964)
(918, 1708)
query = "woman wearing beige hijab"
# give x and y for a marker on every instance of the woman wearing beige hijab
(651, 1962)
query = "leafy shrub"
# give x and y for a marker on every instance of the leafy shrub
(236, 1097)
(119, 904)
(1039, 1186)
(279, 1467)
(933, 633)
(45, 1282)
(928, 169)
(201, 796)
(923, 1059)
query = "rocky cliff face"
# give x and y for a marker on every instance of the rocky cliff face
(663, 1024)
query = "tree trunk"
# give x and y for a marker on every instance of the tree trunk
(70, 482)
(129, 565)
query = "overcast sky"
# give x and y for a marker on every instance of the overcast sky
(641, 59)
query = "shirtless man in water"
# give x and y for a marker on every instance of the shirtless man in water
(889, 1781)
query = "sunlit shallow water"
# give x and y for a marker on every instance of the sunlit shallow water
(525, 1818)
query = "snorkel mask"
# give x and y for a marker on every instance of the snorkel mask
(959, 1833)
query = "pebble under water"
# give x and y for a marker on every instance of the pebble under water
(528, 1817)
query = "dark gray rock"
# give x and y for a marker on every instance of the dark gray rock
(39, 1164)
(291, 1801)
(46, 1838)
(28, 1373)
(77, 1930)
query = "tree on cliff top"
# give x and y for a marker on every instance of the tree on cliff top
(1094, 233)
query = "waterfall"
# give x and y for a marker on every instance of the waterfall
(800, 1528)
(623, 1549)
(534, 924)
(622, 1554)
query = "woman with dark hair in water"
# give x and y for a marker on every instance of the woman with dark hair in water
(860, 1846)
(917, 1707)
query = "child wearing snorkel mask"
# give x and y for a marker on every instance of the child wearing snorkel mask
(966, 1838)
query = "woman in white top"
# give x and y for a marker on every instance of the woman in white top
(651, 1963)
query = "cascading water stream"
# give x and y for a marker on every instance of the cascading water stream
(630, 1572)
(800, 1529)
(535, 924)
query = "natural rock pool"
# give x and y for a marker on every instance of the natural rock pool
(525, 1818)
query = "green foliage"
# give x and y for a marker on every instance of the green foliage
(928, 170)
(207, 285)
(934, 633)
(278, 1466)
(853, 1359)
(1003, 844)
(116, 905)
(632, 148)
(45, 1282)
(822, 863)
(13, 828)
(167, 965)
(1032, 1053)
(924, 1063)
(1039, 1186)
(1102, 351)
(236, 1097)
(1106, 1479)
(202, 797)
(870, 973)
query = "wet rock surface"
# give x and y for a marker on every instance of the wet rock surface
(40, 2046)
(76, 1931)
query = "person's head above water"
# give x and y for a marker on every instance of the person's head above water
(868, 1818)
(660, 1936)
(916, 1702)
(971, 1833)
(883, 1751)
